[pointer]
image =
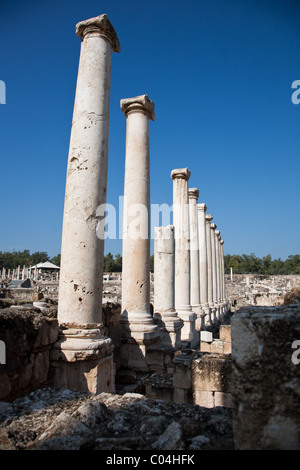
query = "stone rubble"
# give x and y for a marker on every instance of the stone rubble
(50, 419)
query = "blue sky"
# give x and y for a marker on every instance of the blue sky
(220, 74)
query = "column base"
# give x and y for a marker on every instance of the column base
(171, 326)
(82, 359)
(189, 332)
(138, 331)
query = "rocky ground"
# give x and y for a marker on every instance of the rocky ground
(49, 419)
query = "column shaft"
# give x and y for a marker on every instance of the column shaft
(194, 251)
(164, 298)
(136, 320)
(182, 253)
(82, 356)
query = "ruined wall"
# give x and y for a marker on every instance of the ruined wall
(28, 336)
(266, 378)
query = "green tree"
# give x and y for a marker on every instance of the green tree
(56, 260)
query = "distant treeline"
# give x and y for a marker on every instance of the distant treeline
(241, 264)
(13, 259)
(251, 264)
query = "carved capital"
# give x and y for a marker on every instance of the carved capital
(182, 173)
(202, 207)
(138, 103)
(193, 193)
(101, 25)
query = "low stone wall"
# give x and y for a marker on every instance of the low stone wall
(27, 335)
(266, 378)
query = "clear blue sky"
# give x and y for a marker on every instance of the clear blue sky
(220, 75)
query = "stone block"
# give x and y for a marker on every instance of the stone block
(40, 367)
(212, 372)
(204, 398)
(217, 346)
(183, 371)
(206, 336)
(225, 333)
(5, 386)
(266, 376)
(181, 395)
(205, 347)
(223, 399)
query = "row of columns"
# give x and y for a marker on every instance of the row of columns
(24, 273)
(82, 357)
(199, 279)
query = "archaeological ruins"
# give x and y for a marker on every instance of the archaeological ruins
(185, 358)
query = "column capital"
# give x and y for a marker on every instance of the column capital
(217, 232)
(202, 207)
(193, 193)
(138, 103)
(101, 25)
(208, 217)
(213, 226)
(181, 173)
(222, 242)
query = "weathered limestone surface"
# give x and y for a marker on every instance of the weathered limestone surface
(82, 357)
(52, 419)
(28, 336)
(138, 327)
(266, 378)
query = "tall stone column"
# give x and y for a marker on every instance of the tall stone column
(217, 241)
(194, 256)
(164, 293)
(203, 259)
(83, 356)
(214, 271)
(223, 299)
(208, 319)
(138, 327)
(180, 179)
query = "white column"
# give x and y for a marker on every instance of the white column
(223, 278)
(164, 293)
(208, 318)
(203, 259)
(18, 273)
(194, 255)
(217, 241)
(136, 321)
(82, 251)
(180, 179)
(214, 271)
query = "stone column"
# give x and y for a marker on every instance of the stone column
(203, 259)
(217, 240)
(194, 256)
(223, 278)
(83, 355)
(138, 327)
(214, 271)
(208, 319)
(164, 294)
(180, 179)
